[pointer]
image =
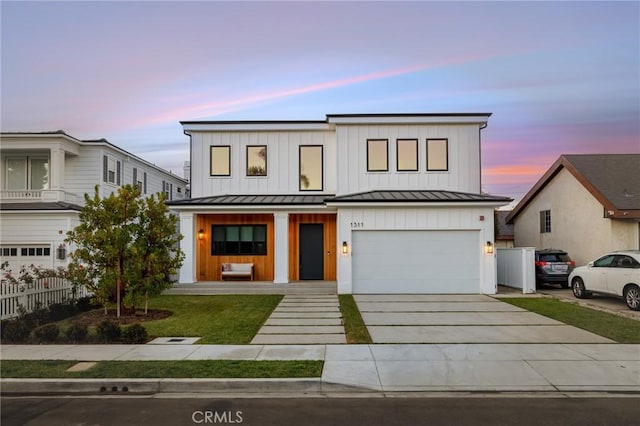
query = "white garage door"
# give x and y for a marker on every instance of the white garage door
(416, 262)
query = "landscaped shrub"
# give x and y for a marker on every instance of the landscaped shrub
(16, 330)
(135, 333)
(60, 311)
(77, 332)
(108, 331)
(87, 303)
(47, 333)
(38, 316)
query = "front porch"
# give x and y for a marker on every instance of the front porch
(253, 287)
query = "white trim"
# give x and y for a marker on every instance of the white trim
(411, 119)
(248, 126)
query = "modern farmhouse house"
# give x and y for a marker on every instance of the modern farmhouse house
(43, 179)
(380, 203)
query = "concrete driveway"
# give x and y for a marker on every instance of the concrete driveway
(457, 318)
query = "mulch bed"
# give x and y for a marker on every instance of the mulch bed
(96, 316)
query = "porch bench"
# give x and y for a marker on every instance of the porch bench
(237, 270)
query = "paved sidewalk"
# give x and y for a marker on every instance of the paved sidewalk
(369, 368)
(303, 319)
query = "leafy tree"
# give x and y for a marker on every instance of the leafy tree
(126, 246)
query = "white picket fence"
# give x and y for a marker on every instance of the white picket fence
(42, 292)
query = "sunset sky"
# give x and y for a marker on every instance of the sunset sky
(559, 77)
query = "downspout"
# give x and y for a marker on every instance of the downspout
(482, 126)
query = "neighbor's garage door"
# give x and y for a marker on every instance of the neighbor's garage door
(416, 262)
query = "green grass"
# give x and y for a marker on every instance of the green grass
(354, 327)
(164, 369)
(219, 319)
(619, 329)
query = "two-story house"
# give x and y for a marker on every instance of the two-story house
(380, 203)
(43, 179)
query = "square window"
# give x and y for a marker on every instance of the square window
(407, 155)
(221, 160)
(311, 164)
(437, 155)
(256, 160)
(377, 155)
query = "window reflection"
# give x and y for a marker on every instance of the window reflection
(220, 161)
(311, 168)
(437, 155)
(377, 155)
(407, 150)
(257, 160)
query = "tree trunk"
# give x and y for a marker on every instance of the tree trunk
(146, 302)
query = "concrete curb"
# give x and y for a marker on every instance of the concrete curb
(153, 386)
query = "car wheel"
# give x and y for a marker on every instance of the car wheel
(632, 297)
(578, 288)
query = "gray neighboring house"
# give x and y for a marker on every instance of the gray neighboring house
(585, 204)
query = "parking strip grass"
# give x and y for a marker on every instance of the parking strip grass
(619, 329)
(206, 369)
(354, 326)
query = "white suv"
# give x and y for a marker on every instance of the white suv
(616, 273)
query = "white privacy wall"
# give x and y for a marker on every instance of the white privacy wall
(516, 268)
(353, 219)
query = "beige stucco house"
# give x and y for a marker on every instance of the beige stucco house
(584, 204)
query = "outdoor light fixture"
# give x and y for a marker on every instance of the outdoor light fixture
(201, 234)
(345, 247)
(489, 247)
(61, 252)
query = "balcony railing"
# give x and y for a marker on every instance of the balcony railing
(38, 195)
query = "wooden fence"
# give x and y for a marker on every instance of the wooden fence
(42, 292)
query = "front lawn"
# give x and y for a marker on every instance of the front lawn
(619, 329)
(164, 369)
(219, 319)
(354, 327)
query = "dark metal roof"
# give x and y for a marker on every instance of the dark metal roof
(253, 199)
(612, 179)
(39, 206)
(416, 197)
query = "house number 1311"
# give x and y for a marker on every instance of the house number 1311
(357, 224)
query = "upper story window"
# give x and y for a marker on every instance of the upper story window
(377, 155)
(221, 160)
(311, 165)
(545, 221)
(256, 160)
(27, 173)
(111, 170)
(407, 155)
(437, 155)
(167, 188)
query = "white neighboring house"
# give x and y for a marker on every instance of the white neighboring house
(43, 179)
(380, 203)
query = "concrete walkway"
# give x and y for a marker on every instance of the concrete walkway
(303, 319)
(369, 368)
(253, 287)
(459, 318)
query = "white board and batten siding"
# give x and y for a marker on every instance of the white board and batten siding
(463, 172)
(282, 162)
(416, 250)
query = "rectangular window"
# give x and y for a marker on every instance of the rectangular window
(437, 155)
(220, 160)
(238, 240)
(111, 170)
(256, 160)
(144, 182)
(377, 155)
(27, 173)
(545, 221)
(407, 155)
(311, 164)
